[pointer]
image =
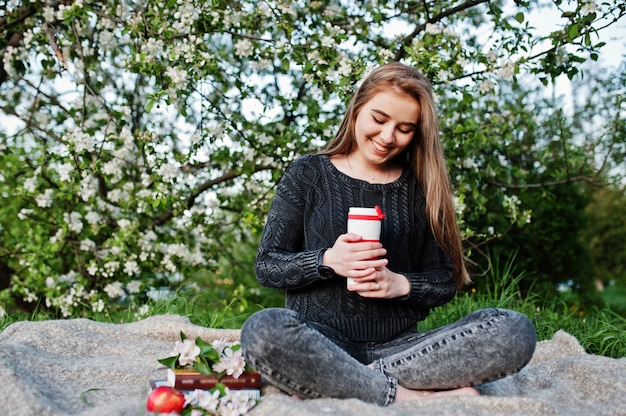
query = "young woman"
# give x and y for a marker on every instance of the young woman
(361, 341)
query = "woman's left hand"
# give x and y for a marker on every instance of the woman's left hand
(383, 284)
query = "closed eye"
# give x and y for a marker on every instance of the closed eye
(407, 128)
(377, 120)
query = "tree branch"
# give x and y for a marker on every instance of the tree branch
(401, 53)
(577, 178)
(13, 37)
(191, 199)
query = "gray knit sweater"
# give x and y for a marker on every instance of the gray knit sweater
(309, 212)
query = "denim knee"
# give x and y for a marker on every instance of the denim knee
(264, 330)
(523, 334)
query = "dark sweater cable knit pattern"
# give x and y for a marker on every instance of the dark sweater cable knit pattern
(309, 212)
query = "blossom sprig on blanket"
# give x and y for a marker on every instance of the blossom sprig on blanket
(219, 357)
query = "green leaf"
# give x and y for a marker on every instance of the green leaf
(202, 366)
(519, 17)
(83, 396)
(149, 105)
(207, 352)
(221, 388)
(170, 362)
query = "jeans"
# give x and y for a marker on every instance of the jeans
(312, 360)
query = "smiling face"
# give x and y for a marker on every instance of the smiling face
(384, 128)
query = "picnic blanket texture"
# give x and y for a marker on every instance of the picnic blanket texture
(88, 368)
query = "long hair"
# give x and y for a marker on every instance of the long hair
(424, 155)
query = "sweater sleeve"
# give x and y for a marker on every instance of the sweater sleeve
(434, 286)
(432, 281)
(282, 261)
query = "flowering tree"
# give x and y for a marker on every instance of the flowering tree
(140, 138)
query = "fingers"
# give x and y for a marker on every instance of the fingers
(355, 244)
(367, 284)
(370, 289)
(383, 284)
(351, 257)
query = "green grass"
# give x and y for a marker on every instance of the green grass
(600, 331)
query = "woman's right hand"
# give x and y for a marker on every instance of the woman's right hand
(351, 257)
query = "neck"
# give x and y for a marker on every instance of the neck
(368, 175)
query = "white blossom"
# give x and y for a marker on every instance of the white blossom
(29, 296)
(188, 351)
(111, 266)
(92, 269)
(507, 70)
(89, 188)
(443, 75)
(588, 8)
(116, 195)
(82, 141)
(345, 68)
(92, 217)
(10, 53)
(107, 40)
(459, 206)
(470, 163)
(561, 55)
(168, 264)
(244, 47)
(87, 245)
(113, 167)
(432, 29)
(231, 362)
(57, 236)
(142, 311)
(185, 17)
(485, 86)
(385, 54)
(64, 172)
(44, 200)
(30, 184)
(178, 76)
(153, 47)
(131, 268)
(74, 221)
(328, 41)
(124, 223)
(97, 306)
(146, 180)
(114, 290)
(206, 399)
(168, 171)
(68, 278)
(134, 286)
(48, 14)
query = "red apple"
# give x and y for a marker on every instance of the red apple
(165, 399)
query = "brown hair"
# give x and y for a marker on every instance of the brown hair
(424, 154)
